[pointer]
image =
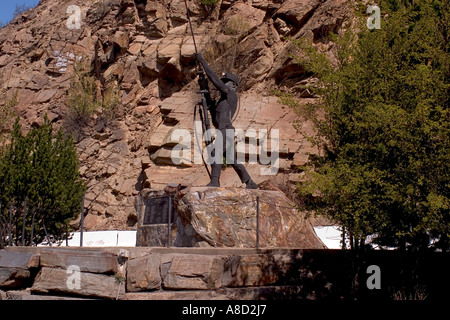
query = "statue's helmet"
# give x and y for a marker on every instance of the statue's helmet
(230, 77)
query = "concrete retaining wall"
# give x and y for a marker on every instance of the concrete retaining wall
(210, 273)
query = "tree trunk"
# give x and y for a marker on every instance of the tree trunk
(343, 238)
(24, 220)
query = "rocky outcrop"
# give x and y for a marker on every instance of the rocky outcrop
(146, 48)
(227, 217)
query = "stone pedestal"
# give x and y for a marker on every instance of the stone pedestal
(227, 217)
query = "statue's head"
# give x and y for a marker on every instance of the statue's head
(230, 79)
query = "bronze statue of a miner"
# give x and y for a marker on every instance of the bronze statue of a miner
(222, 114)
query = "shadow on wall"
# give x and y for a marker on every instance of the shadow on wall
(338, 275)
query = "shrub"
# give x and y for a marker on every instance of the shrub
(7, 111)
(21, 8)
(82, 99)
(209, 2)
(111, 101)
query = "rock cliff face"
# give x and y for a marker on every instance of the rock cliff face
(145, 47)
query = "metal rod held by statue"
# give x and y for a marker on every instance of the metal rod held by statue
(190, 25)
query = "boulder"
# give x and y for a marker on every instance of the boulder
(188, 48)
(252, 270)
(45, 95)
(226, 217)
(166, 156)
(23, 260)
(92, 221)
(129, 16)
(13, 277)
(148, 71)
(171, 45)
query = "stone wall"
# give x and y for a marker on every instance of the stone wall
(200, 273)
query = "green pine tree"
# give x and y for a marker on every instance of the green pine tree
(385, 169)
(41, 167)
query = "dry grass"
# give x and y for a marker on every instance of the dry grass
(418, 293)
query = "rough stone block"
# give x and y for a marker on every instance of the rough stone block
(52, 280)
(249, 270)
(143, 273)
(13, 277)
(23, 260)
(88, 261)
(14, 268)
(194, 272)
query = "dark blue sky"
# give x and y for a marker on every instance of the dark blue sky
(7, 8)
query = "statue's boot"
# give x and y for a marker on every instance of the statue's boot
(215, 175)
(251, 184)
(244, 176)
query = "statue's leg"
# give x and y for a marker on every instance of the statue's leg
(244, 176)
(223, 119)
(215, 175)
(216, 169)
(238, 167)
